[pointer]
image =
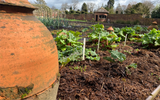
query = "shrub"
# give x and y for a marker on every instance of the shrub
(66, 12)
(118, 21)
(132, 11)
(82, 12)
(123, 22)
(72, 12)
(78, 12)
(128, 22)
(155, 12)
(136, 22)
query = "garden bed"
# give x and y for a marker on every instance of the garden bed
(116, 71)
(104, 80)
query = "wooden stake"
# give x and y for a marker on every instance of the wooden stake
(98, 42)
(154, 93)
(84, 46)
(125, 40)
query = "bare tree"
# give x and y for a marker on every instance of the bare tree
(64, 6)
(132, 3)
(41, 5)
(148, 5)
(53, 7)
(91, 6)
(124, 7)
(75, 4)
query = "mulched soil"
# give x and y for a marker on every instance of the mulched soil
(105, 80)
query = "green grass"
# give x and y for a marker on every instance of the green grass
(77, 20)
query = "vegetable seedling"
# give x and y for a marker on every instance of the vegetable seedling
(133, 65)
(127, 51)
(80, 67)
(116, 55)
(137, 50)
(151, 74)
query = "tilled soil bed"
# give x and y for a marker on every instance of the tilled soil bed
(105, 80)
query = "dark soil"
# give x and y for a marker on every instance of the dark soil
(105, 80)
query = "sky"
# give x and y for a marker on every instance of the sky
(58, 3)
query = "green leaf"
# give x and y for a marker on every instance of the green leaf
(92, 55)
(85, 29)
(133, 65)
(76, 67)
(109, 59)
(63, 48)
(117, 55)
(157, 42)
(114, 46)
(65, 61)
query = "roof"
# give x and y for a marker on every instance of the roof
(102, 10)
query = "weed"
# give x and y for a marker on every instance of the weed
(75, 68)
(80, 68)
(70, 68)
(133, 65)
(72, 63)
(127, 51)
(137, 50)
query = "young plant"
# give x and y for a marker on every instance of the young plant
(75, 56)
(92, 55)
(97, 29)
(69, 38)
(133, 65)
(137, 50)
(129, 52)
(137, 28)
(104, 38)
(128, 30)
(117, 30)
(115, 55)
(80, 68)
(151, 39)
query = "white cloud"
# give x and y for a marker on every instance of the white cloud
(58, 3)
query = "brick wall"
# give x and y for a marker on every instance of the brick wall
(115, 17)
(81, 16)
(133, 17)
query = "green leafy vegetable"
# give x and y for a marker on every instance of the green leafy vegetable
(116, 55)
(151, 39)
(133, 65)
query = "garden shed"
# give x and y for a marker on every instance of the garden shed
(101, 15)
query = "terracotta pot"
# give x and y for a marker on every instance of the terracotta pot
(28, 54)
(110, 29)
(154, 23)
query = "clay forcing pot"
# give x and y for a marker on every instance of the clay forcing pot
(28, 54)
(154, 25)
(110, 29)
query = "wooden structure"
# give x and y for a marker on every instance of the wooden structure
(101, 15)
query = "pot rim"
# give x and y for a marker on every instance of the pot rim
(26, 4)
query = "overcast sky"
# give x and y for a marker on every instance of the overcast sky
(58, 3)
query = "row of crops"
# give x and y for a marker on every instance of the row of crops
(51, 23)
(70, 49)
